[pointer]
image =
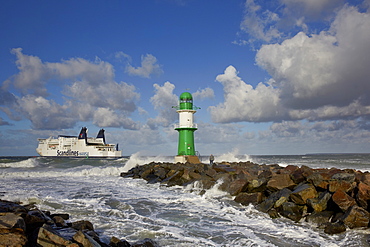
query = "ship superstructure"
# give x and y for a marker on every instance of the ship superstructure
(78, 146)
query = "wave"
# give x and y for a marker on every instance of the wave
(28, 163)
(137, 159)
(233, 156)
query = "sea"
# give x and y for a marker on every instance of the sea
(131, 209)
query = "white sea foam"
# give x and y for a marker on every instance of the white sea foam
(233, 156)
(31, 162)
(137, 159)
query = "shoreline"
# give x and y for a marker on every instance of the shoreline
(332, 199)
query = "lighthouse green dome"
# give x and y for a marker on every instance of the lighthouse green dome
(186, 96)
(186, 101)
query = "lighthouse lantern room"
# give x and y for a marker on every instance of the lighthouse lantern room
(186, 127)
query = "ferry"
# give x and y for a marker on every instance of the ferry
(78, 146)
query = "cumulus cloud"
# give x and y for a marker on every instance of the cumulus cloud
(206, 93)
(162, 100)
(271, 21)
(149, 66)
(89, 90)
(317, 77)
(242, 102)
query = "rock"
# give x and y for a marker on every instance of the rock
(63, 216)
(300, 174)
(11, 220)
(303, 192)
(257, 185)
(280, 181)
(59, 221)
(7, 206)
(83, 225)
(317, 180)
(269, 203)
(335, 228)
(344, 176)
(363, 195)
(12, 237)
(85, 240)
(147, 242)
(366, 178)
(356, 217)
(283, 196)
(48, 237)
(319, 204)
(249, 198)
(237, 186)
(115, 242)
(343, 185)
(319, 218)
(343, 200)
(174, 179)
(291, 211)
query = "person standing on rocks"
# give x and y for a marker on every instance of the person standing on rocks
(211, 159)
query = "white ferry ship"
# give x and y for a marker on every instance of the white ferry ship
(78, 146)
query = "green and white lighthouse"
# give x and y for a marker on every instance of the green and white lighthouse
(186, 127)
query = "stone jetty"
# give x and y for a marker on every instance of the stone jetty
(26, 225)
(331, 199)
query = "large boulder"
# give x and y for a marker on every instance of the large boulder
(270, 202)
(303, 192)
(245, 198)
(319, 218)
(237, 186)
(48, 237)
(343, 200)
(12, 237)
(11, 220)
(280, 181)
(320, 203)
(291, 211)
(356, 217)
(363, 195)
(85, 240)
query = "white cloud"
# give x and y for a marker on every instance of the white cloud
(259, 23)
(204, 94)
(325, 75)
(149, 66)
(271, 21)
(45, 114)
(90, 93)
(162, 101)
(317, 77)
(104, 117)
(244, 103)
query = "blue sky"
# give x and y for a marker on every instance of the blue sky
(271, 77)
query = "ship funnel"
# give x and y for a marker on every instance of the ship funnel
(101, 135)
(83, 134)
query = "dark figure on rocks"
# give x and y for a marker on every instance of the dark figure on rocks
(211, 159)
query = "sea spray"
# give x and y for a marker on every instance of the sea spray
(233, 156)
(137, 159)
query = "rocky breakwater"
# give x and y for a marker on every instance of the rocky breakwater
(25, 225)
(331, 199)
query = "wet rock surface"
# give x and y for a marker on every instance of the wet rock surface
(332, 199)
(25, 225)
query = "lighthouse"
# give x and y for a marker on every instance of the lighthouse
(186, 127)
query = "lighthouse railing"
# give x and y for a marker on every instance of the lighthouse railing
(194, 125)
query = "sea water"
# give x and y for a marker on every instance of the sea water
(132, 209)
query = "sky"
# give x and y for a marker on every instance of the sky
(270, 77)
